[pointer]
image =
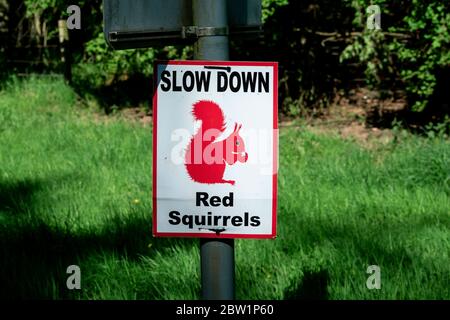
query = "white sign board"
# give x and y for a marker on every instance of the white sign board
(215, 149)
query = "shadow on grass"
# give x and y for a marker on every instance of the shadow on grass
(35, 254)
(134, 91)
(312, 286)
(370, 241)
(13, 196)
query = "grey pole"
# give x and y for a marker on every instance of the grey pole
(217, 255)
(211, 14)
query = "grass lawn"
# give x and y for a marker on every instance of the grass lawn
(76, 189)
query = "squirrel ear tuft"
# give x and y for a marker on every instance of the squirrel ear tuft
(235, 127)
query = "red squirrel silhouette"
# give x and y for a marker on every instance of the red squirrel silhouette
(206, 158)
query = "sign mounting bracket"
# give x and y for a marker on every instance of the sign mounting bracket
(195, 32)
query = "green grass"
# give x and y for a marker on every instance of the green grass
(76, 189)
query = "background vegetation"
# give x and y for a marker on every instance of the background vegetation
(322, 47)
(75, 175)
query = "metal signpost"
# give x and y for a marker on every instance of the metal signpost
(214, 164)
(188, 89)
(216, 255)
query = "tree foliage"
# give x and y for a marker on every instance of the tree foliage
(317, 43)
(413, 45)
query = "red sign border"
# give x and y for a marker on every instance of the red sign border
(275, 148)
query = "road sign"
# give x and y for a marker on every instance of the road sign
(215, 149)
(144, 23)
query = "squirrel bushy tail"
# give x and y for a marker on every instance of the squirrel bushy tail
(210, 114)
